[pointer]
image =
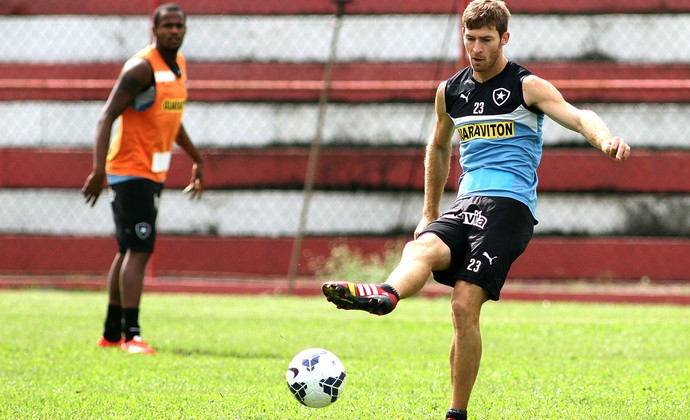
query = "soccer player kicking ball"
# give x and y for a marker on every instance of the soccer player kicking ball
(497, 107)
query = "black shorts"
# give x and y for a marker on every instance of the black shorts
(135, 209)
(485, 235)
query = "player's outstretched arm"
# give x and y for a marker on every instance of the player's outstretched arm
(436, 161)
(544, 96)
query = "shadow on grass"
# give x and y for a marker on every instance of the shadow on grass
(228, 354)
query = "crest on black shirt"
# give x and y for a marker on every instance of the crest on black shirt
(500, 96)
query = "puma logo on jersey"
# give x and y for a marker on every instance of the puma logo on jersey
(465, 96)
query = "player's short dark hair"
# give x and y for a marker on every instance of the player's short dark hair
(480, 13)
(167, 7)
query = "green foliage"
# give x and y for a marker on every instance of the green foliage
(352, 264)
(224, 357)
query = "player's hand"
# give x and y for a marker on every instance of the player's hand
(616, 149)
(92, 187)
(195, 187)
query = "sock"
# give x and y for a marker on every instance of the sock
(453, 414)
(112, 330)
(131, 316)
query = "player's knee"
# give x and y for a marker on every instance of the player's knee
(427, 248)
(464, 311)
(461, 310)
(412, 248)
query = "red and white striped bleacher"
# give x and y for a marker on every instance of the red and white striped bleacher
(76, 240)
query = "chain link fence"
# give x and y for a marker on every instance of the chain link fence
(255, 80)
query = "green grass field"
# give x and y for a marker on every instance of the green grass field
(224, 357)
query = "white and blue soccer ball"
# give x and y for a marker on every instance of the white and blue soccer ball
(316, 377)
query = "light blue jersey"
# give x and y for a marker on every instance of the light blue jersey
(500, 136)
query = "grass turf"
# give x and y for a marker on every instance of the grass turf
(224, 357)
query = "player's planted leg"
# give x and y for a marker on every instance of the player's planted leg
(132, 284)
(466, 348)
(112, 327)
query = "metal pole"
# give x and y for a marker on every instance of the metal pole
(315, 149)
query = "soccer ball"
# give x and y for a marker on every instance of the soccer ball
(315, 377)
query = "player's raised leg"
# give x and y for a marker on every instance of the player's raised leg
(420, 257)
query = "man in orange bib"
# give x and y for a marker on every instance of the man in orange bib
(148, 99)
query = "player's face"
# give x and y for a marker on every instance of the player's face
(484, 47)
(170, 30)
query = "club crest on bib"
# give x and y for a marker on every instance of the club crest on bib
(143, 230)
(500, 96)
